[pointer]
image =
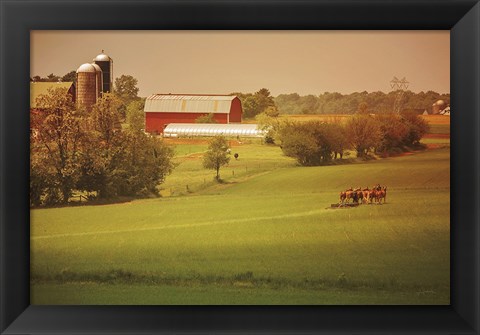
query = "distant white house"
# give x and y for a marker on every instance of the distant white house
(446, 111)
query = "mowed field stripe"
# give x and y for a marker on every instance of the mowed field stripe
(190, 225)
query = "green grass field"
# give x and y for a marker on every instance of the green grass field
(264, 236)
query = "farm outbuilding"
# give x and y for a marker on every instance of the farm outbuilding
(163, 109)
(212, 129)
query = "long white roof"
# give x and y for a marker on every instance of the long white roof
(167, 103)
(212, 129)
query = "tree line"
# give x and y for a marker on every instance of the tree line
(318, 143)
(262, 101)
(68, 77)
(337, 103)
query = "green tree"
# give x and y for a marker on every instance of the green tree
(217, 155)
(300, 145)
(393, 130)
(57, 146)
(271, 111)
(70, 76)
(104, 148)
(147, 162)
(52, 78)
(250, 106)
(311, 143)
(337, 137)
(126, 88)
(106, 117)
(271, 125)
(259, 102)
(122, 163)
(417, 128)
(264, 101)
(136, 115)
(363, 108)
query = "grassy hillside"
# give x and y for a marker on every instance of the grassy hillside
(265, 236)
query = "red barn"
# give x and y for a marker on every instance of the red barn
(163, 109)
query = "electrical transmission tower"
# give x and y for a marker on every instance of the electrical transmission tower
(399, 86)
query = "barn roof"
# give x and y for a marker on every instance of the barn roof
(179, 103)
(38, 88)
(212, 129)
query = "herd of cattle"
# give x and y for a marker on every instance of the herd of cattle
(365, 196)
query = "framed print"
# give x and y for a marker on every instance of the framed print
(239, 240)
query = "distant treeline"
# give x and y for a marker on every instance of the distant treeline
(68, 77)
(337, 103)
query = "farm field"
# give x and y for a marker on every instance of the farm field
(264, 236)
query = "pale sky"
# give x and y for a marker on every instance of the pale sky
(222, 62)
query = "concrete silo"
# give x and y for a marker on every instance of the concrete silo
(86, 86)
(106, 64)
(99, 76)
(438, 106)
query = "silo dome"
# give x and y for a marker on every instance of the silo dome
(87, 67)
(102, 58)
(97, 68)
(87, 83)
(106, 64)
(438, 106)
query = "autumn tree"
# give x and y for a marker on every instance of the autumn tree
(217, 155)
(57, 144)
(338, 139)
(363, 133)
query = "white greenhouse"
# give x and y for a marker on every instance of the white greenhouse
(212, 129)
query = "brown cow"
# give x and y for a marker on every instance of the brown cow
(372, 195)
(359, 194)
(365, 195)
(382, 194)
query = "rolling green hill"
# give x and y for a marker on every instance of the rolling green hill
(265, 236)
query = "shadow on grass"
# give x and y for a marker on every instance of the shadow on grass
(242, 279)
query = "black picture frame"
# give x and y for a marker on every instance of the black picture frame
(18, 17)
